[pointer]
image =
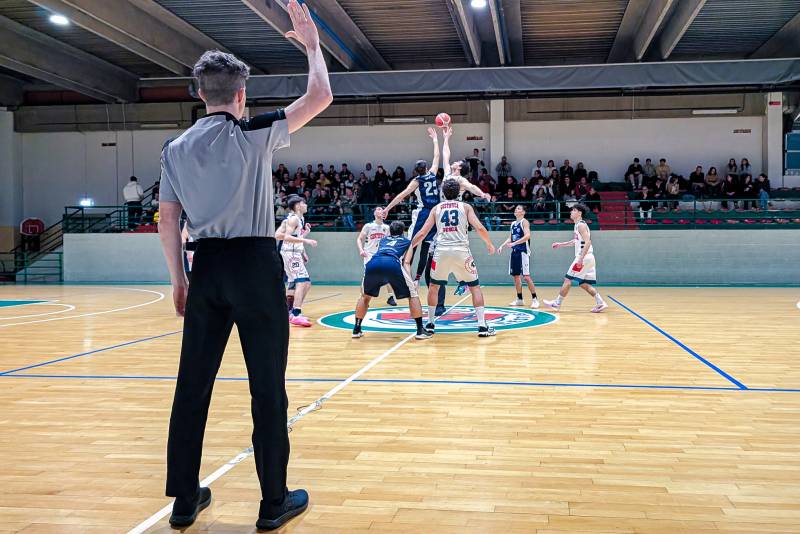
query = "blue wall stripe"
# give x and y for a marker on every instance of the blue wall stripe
(722, 373)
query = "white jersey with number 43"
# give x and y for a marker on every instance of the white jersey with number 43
(451, 225)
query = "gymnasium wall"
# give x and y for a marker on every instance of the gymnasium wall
(58, 168)
(623, 257)
(10, 181)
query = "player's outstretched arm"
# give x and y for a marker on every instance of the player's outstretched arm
(318, 94)
(448, 131)
(412, 186)
(435, 160)
(503, 245)
(478, 226)
(466, 185)
(360, 241)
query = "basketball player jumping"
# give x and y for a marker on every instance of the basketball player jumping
(583, 269)
(451, 218)
(368, 241)
(519, 264)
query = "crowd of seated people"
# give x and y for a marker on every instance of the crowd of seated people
(658, 187)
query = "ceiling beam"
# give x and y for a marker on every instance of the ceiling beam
(339, 23)
(622, 49)
(130, 27)
(512, 13)
(648, 28)
(467, 31)
(274, 13)
(785, 42)
(39, 56)
(679, 22)
(500, 31)
(11, 91)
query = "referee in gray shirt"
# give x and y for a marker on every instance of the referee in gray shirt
(220, 173)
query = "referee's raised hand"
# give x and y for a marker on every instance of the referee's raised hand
(305, 31)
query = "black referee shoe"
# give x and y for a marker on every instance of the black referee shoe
(486, 331)
(293, 505)
(184, 511)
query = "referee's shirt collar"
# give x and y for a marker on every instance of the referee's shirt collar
(228, 116)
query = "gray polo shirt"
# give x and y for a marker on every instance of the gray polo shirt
(220, 170)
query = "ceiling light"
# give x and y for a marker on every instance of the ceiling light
(401, 120)
(710, 111)
(86, 202)
(478, 4)
(59, 20)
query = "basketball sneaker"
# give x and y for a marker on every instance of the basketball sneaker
(300, 320)
(599, 308)
(486, 331)
(535, 303)
(391, 301)
(357, 333)
(439, 311)
(517, 302)
(430, 327)
(552, 304)
(424, 334)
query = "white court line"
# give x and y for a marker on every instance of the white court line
(68, 306)
(115, 310)
(142, 527)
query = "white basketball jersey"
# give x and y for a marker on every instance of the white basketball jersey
(579, 242)
(452, 225)
(374, 232)
(298, 232)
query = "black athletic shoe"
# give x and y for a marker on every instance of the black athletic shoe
(293, 505)
(391, 301)
(430, 327)
(184, 511)
(424, 334)
(486, 331)
(439, 311)
(358, 333)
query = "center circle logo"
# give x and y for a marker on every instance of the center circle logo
(457, 319)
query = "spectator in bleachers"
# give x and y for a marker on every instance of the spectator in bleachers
(368, 167)
(475, 164)
(635, 180)
(634, 168)
(489, 178)
(502, 169)
(582, 189)
(713, 183)
(648, 170)
(658, 191)
(320, 171)
(763, 190)
(279, 172)
(566, 170)
(509, 184)
(580, 172)
(555, 181)
(697, 182)
(745, 168)
(309, 171)
(331, 170)
(399, 174)
(133, 194)
(663, 170)
(646, 204)
(551, 166)
(345, 172)
(539, 167)
(673, 191)
(381, 174)
(508, 205)
(593, 200)
(566, 194)
(732, 169)
(747, 192)
(730, 190)
(347, 203)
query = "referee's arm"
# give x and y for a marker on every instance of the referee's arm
(169, 229)
(318, 95)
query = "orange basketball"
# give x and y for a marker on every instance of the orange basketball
(442, 120)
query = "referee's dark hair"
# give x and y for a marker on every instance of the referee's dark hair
(397, 228)
(219, 76)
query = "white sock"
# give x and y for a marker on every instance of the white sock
(481, 313)
(559, 299)
(598, 299)
(431, 313)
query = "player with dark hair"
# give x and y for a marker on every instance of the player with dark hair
(519, 264)
(583, 269)
(385, 268)
(294, 257)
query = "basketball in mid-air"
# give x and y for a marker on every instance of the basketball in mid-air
(442, 120)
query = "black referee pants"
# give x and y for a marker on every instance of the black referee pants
(234, 281)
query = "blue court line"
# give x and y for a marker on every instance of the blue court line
(423, 381)
(50, 362)
(681, 345)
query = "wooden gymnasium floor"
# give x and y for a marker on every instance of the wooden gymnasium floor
(593, 423)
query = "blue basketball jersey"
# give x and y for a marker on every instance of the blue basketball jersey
(428, 191)
(516, 234)
(393, 247)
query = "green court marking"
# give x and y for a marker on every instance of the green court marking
(9, 303)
